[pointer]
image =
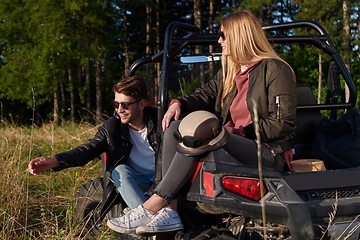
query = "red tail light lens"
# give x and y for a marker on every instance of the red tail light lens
(245, 187)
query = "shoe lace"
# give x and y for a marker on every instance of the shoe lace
(160, 217)
(134, 215)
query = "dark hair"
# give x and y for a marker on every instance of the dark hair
(132, 86)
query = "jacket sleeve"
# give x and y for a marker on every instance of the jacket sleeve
(83, 154)
(202, 98)
(277, 112)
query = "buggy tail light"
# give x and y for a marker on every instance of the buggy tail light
(245, 187)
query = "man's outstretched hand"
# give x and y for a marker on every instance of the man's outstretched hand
(41, 164)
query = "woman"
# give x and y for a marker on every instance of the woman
(251, 73)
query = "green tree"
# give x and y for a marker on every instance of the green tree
(58, 56)
(28, 50)
(337, 17)
(44, 43)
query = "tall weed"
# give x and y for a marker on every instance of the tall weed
(40, 207)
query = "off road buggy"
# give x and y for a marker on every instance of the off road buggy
(223, 199)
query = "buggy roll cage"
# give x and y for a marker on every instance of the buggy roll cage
(174, 45)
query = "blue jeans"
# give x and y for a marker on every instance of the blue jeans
(131, 186)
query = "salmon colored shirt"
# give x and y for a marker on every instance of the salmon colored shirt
(239, 113)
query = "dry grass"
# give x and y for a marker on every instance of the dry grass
(40, 207)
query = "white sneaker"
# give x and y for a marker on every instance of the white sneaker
(129, 222)
(126, 210)
(165, 221)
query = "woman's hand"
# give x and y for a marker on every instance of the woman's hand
(173, 112)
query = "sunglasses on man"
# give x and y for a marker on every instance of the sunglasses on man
(124, 105)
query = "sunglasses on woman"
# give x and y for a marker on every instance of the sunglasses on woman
(192, 142)
(195, 142)
(222, 35)
(124, 105)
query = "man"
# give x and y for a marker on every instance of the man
(129, 140)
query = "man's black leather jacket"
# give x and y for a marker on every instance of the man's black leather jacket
(112, 138)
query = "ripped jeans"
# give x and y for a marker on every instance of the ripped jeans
(177, 168)
(131, 186)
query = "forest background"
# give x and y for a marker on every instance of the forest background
(60, 58)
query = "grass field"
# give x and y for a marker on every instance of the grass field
(40, 207)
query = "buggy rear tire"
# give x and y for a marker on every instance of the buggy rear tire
(87, 206)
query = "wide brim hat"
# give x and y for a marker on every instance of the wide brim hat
(191, 122)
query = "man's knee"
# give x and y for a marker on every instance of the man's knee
(122, 169)
(121, 172)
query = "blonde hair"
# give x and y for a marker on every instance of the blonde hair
(246, 43)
